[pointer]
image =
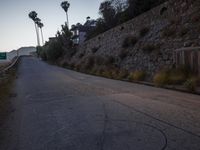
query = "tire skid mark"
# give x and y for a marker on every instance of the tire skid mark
(150, 116)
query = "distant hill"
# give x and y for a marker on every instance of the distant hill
(21, 51)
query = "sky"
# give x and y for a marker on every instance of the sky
(17, 30)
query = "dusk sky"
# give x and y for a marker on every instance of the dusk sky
(17, 30)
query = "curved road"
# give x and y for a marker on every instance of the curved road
(59, 109)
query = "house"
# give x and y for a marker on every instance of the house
(79, 31)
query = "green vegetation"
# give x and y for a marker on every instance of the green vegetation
(129, 41)
(148, 48)
(177, 76)
(191, 84)
(161, 78)
(123, 54)
(169, 31)
(95, 49)
(137, 76)
(115, 12)
(183, 31)
(57, 47)
(144, 31)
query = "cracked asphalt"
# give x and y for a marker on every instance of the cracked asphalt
(59, 109)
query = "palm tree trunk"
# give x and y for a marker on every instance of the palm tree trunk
(67, 20)
(42, 36)
(37, 33)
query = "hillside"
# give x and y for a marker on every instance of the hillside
(146, 43)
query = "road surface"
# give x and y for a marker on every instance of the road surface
(59, 109)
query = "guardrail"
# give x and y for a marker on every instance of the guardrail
(10, 66)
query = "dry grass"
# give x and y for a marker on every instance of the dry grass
(6, 82)
(161, 78)
(137, 76)
(191, 84)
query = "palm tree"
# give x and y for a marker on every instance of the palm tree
(33, 15)
(88, 18)
(37, 22)
(65, 5)
(41, 25)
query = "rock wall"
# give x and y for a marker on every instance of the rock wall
(156, 34)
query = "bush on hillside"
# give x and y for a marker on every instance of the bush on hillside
(129, 41)
(169, 31)
(89, 63)
(161, 78)
(144, 31)
(183, 31)
(123, 54)
(137, 76)
(95, 49)
(148, 48)
(53, 50)
(191, 84)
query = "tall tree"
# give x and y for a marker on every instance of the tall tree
(108, 13)
(65, 5)
(41, 25)
(137, 7)
(37, 21)
(33, 15)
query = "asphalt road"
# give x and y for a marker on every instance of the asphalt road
(59, 109)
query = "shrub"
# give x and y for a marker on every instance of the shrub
(198, 81)
(64, 64)
(122, 74)
(183, 31)
(191, 84)
(107, 74)
(148, 48)
(161, 78)
(109, 60)
(94, 49)
(195, 18)
(137, 76)
(177, 78)
(43, 55)
(38, 50)
(54, 50)
(185, 69)
(99, 60)
(144, 31)
(81, 55)
(174, 20)
(129, 41)
(123, 54)
(168, 32)
(89, 63)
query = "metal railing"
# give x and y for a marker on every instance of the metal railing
(189, 56)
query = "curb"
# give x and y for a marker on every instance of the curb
(165, 87)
